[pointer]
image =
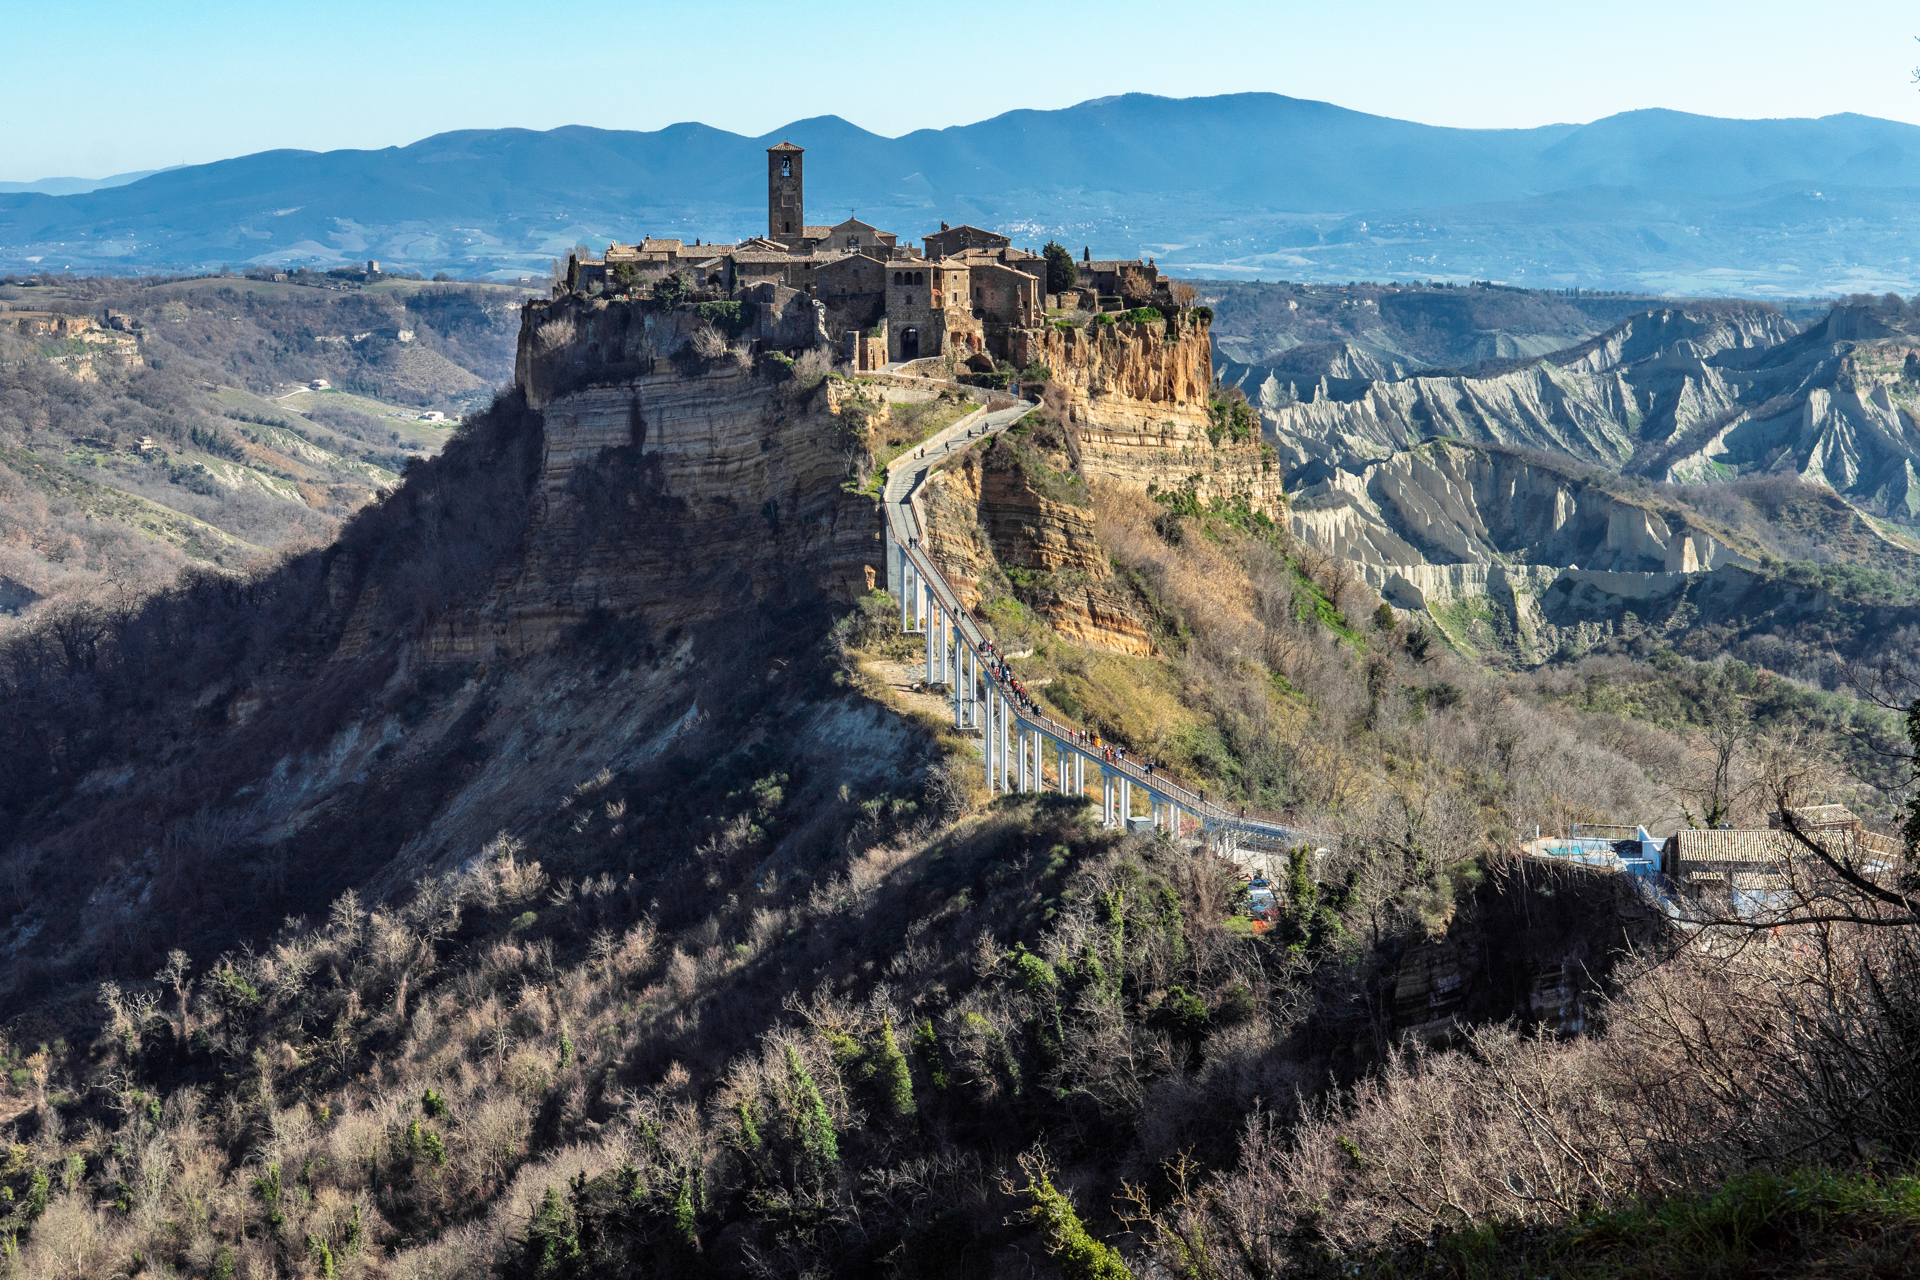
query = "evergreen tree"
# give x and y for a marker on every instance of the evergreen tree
(1080, 1256)
(812, 1122)
(894, 1081)
(553, 1240)
(1061, 271)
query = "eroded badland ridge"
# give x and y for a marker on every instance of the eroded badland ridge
(585, 865)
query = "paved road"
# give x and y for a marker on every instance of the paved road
(909, 469)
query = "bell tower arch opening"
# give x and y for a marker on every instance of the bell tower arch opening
(786, 194)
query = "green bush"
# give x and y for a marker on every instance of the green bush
(1143, 315)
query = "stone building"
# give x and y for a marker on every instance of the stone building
(1758, 859)
(948, 241)
(928, 309)
(970, 291)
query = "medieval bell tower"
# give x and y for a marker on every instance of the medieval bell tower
(786, 209)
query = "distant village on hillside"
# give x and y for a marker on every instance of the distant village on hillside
(963, 293)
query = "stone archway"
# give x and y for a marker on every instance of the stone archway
(909, 344)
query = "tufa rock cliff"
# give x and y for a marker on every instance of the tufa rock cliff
(625, 569)
(1136, 404)
(991, 530)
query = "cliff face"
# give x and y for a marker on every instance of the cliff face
(1676, 395)
(575, 342)
(1533, 942)
(672, 493)
(633, 577)
(1449, 504)
(1137, 404)
(676, 497)
(984, 519)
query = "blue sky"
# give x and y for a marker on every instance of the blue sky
(112, 86)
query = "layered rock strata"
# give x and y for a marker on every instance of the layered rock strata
(982, 516)
(1137, 408)
(669, 493)
(1450, 504)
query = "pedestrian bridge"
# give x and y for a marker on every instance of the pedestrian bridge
(1024, 749)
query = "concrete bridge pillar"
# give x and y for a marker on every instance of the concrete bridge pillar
(933, 638)
(1126, 800)
(1007, 739)
(986, 753)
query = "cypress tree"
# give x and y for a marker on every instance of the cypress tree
(1080, 1256)
(926, 1043)
(812, 1122)
(890, 1073)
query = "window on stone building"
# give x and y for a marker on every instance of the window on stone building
(786, 168)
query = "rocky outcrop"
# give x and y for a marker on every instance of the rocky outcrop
(1137, 404)
(80, 345)
(1650, 378)
(676, 498)
(574, 342)
(984, 519)
(1533, 942)
(1452, 504)
(1507, 553)
(1675, 394)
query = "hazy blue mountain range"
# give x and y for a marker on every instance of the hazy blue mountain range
(77, 186)
(1239, 185)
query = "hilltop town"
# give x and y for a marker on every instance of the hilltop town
(965, 292)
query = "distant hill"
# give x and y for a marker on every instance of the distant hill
(1238, 185)
(77, 186)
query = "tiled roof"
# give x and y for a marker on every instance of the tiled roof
(1748, 844)
(817, 233)
(785, 146)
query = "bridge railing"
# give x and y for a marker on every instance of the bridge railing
(906, 526)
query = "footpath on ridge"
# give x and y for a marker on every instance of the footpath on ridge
(905, 523)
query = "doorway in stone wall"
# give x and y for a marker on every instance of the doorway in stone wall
(909, 344)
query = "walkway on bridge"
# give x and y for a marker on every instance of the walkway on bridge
(1015, 734)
